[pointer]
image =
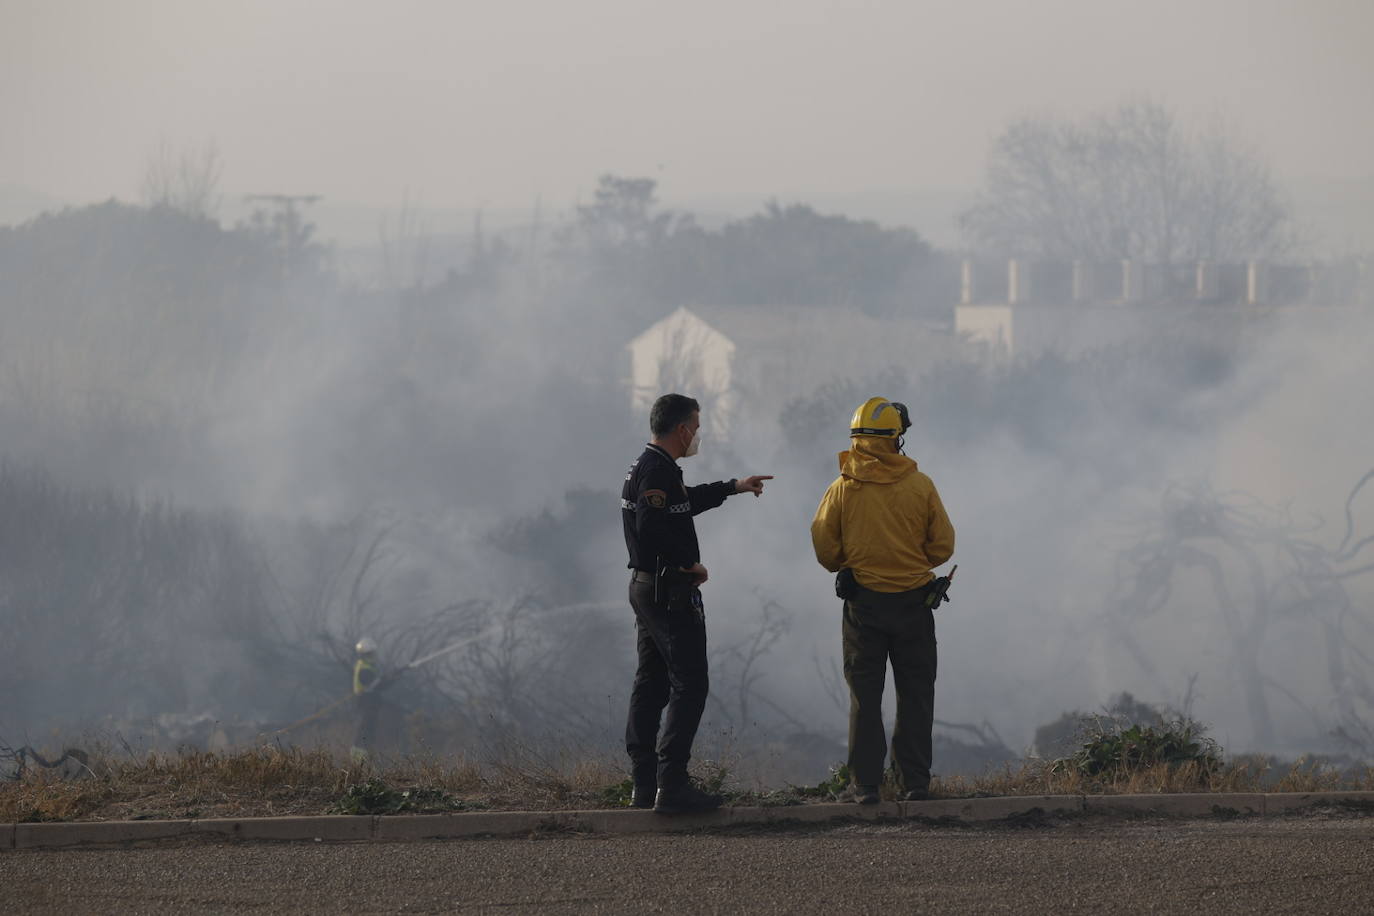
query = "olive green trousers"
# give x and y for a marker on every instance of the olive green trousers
(879, 626)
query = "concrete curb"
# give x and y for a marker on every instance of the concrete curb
(1183, 804)
(323, 827)
(338, 828)
(990, 809)
(1283, 802)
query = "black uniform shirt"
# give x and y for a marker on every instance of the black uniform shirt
(657, 509)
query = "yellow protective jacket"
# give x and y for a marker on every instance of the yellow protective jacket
(364, 676)
(882, 518)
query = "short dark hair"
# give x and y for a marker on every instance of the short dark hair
(670, 410)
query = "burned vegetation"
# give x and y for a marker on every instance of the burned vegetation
(1280, 592)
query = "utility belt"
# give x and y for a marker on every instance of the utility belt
(668, 580)
(932, 594)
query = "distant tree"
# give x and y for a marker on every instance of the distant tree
(185, 180)
(153, 308)
(623, 215)
(1126, 183)
(643, 257)
(623, 250)
(794, 255)
(298, 253)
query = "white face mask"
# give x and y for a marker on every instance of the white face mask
(694, 445)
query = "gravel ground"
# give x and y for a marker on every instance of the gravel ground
(1318, 863)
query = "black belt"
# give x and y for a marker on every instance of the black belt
(671, 576)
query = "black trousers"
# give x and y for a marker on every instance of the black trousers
(879, 626)
(672, 675)
(366, 708)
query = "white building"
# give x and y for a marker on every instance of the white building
(750, 361)
(1018, 308)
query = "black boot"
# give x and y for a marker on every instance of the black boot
(685, 799)
(862, 795)
(643, 796)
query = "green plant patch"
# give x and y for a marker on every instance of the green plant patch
(618, 795)
(830, 787)
(376, 797)
(711, 777)
(779, 798)
(1116, 748)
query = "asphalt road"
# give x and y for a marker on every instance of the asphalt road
(1312, 864)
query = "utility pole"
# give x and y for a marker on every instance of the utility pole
(289, 220)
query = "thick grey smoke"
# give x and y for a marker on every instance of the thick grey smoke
(1051, 492)
(485, 426)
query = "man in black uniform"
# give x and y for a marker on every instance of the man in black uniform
(657, 510)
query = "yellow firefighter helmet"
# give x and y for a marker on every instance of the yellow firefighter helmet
(880, 417)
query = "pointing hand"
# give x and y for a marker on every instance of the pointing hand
(752, 484)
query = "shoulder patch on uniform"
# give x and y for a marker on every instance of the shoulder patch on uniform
(656, 498)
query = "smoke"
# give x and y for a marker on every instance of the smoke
(484, 425)
(1054, 471)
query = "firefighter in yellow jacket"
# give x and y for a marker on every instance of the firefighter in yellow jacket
(882, 527)
(367, 704)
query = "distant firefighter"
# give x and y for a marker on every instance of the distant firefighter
(366, 703)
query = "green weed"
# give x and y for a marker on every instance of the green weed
(618, 795)
(1114, 749)
(376, 797)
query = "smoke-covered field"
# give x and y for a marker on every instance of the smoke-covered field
(224, 465)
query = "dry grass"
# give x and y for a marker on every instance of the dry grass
(186, 784)
(1043, 777)
(278, 781)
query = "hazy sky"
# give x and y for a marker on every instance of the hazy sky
(490, 104)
